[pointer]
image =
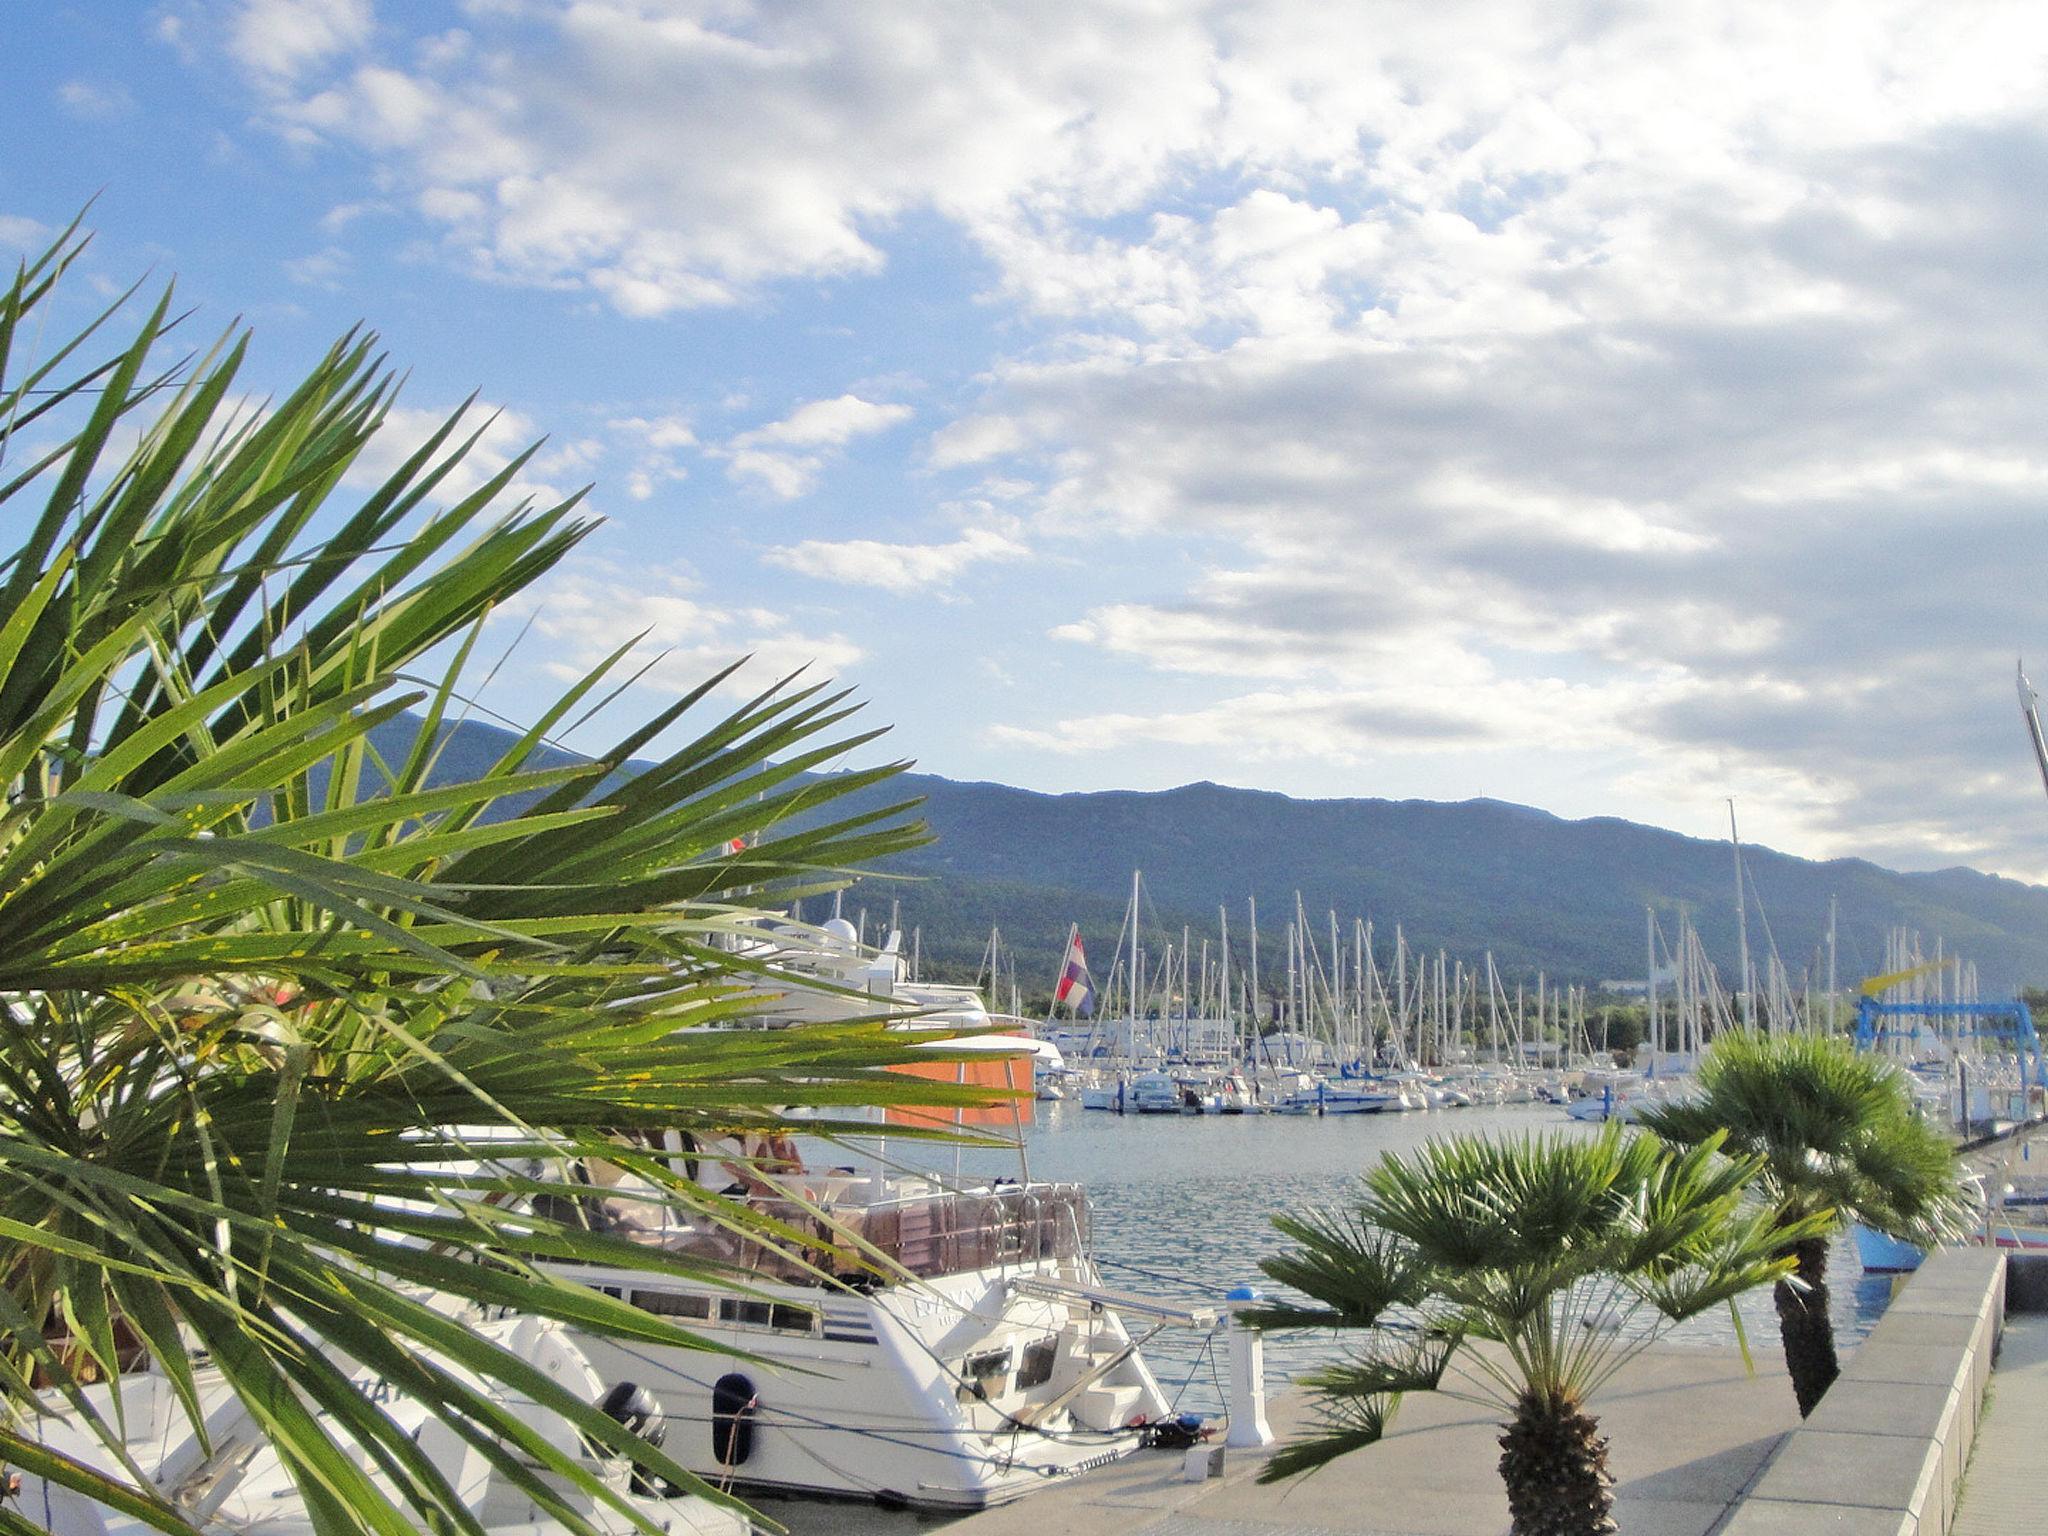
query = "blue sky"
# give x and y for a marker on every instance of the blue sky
(1571, 404)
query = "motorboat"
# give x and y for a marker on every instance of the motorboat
(991, 1363)
(1345, 1096)
(1158, 1093)
(1106, 1091)
(1234, 1096)
(920, 1340)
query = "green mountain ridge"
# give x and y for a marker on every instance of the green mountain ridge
(1541, 892)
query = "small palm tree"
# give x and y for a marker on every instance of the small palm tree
(1834, 1134)
(1520, 1273)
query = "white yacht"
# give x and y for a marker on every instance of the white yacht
(984, 1360)
(1346, 1096)
(1159, 1092)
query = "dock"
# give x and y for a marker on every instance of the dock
(1689, 1431)
(1933, 1429)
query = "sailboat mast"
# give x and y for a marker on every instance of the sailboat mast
(1223, 957)
(1745, 1004)
(1653, 1026)
(1831, 964)
(1258, 1008)
(1132, 979)
(1492, 1011)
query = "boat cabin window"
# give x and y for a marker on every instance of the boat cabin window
(1034, 1368)
(982, 1374)
(768, 1314)
(673, 1304)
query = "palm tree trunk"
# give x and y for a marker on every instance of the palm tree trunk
(1806, 1327)
(1553, 1459)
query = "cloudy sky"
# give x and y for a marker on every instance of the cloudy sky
(1608, 407)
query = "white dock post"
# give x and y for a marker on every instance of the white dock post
(1247, 1403)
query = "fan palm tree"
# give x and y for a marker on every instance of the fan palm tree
(1834, 1135)
(1520, 1273)
(269, 972)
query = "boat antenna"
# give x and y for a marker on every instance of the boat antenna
(2030, 710)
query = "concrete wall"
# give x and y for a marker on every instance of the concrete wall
(1884, 1453)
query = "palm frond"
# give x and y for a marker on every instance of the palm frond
(1829, 1129)
(258, 961)
(1562, 1253)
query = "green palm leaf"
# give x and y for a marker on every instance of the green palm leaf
(258, 960)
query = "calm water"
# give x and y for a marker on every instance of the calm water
(1183, 1206)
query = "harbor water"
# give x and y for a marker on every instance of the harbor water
(1183, 1207)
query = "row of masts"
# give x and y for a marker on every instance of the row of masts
(1345, 991)
(1415, 1008)
(1361, 999)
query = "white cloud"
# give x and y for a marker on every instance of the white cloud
(828, 423)
(588, 608)
(657, 444)
(1461, 161)
(95, 101)
(895, 567)
(279, 40)
(1677, 377)
(23, 234)
(341, 215)
(662, 434)
(783, 476)
(772, 456)
(321, 269)
(1345, 726)
(975, 440)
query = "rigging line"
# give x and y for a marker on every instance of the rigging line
(1216, 1381)
(1208, 1350)
(894, 1437)
(1177, 1281)
(1081, 1437)
(1757, 893)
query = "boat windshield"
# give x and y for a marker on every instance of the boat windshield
(929, 1235)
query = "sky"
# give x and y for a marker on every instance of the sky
(1609, 408)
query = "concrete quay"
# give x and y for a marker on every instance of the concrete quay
(1689, 1431)
(1886, 1450)
(1698, 1445)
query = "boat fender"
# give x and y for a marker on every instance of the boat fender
(638, 1412)
(733, 1407)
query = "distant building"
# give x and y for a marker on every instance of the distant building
(1625, 988)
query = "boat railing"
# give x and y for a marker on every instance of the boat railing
(931, 1234)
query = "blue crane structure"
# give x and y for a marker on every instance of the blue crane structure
(2010, 1023)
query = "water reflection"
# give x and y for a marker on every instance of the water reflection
(1183, 1208)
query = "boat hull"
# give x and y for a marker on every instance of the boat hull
(955, 1393)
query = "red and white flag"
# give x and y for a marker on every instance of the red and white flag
(1076, 989)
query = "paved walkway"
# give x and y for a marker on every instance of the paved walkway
(2002, 1489)
(1689, 1429)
